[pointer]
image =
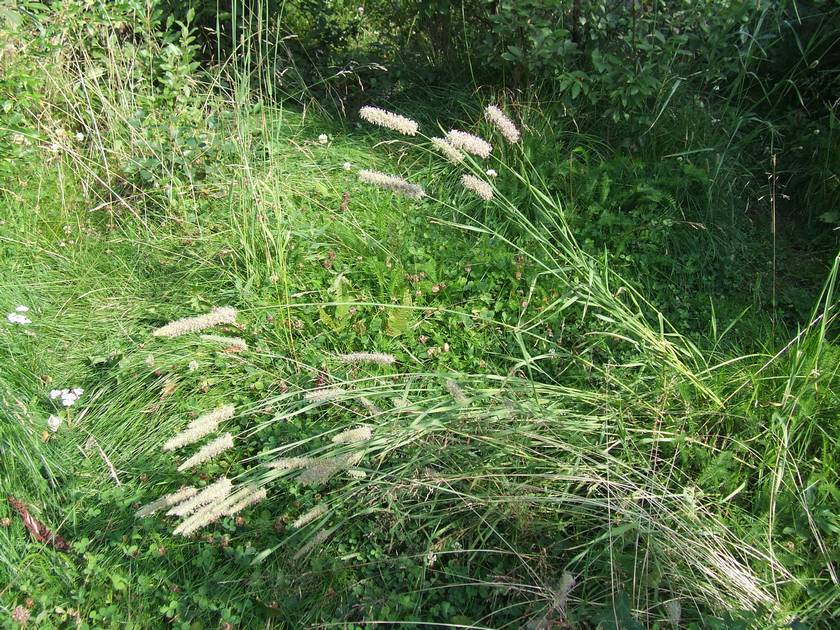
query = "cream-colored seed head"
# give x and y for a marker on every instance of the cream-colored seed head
(208, 452)
(389, 120)
(393, 183)
(501, 122)
(469, 143)
(219, 315)
(449, 152)
(479, 187)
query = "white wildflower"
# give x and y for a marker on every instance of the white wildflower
(17, 318)
(53, 422)
(360, 434)
(491, 173)
(208, 451)
(389, 120)
(479, 187)
(469, 143)
(393, 183)
(451, 153)
(368, 357)
(220, 315)
(192, 366)
(347, 166)
(501, 122)
(68, 396)
(311, 515)
(323, 139)
(22, 309)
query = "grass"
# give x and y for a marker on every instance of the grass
(595, 461)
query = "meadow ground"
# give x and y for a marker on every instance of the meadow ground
(552, 432)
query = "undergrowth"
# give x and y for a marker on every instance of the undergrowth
(597, 413)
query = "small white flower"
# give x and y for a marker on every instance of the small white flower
(80, 136)
(193, 365)
(54, 147)
(22, 309)
(361, 10)
(347, 166)
(68, 396)
(323, 139)
(15, 318)
(492, 173)
(53, 422)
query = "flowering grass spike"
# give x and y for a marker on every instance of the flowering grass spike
(501, 122)
(168, 500)
(451, 153)
(219, 315)
(479, 187)
(209, 451)
(216, 491)
(380, 358)
(393, 183)
(360, 434)
(389, 120)
(469, 143)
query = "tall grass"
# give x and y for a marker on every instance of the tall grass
(581, 467)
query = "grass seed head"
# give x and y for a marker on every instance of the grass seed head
(479, 187)
(389, 120)
(469, 143)
(501, 122)
(208, 452)
(219, 315)
(393, 183)
(380, 358)
(449, 152)
(360, 434)
(311, 515)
